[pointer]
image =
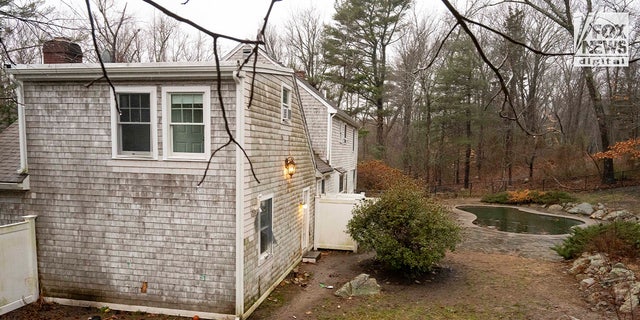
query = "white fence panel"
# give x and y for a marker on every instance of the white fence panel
(18, 265)
(333, 212)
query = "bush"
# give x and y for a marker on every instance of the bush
(618, 239)
(375, 175)
(408, 232)
(528, 196)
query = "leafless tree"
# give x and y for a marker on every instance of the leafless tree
(304, 32)
(117, 32)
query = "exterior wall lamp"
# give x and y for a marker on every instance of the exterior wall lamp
(289, 166)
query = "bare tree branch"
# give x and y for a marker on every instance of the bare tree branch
(433, 60)
(510, 39)
(4, 48)
(226, 121)
(95, 46)
(202, 29)
(503, 85)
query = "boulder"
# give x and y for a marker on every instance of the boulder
(586, 283)
(617, 215)
(583, 208)
(555, 207)
(598, 214)
(361, 285)
(579, 265)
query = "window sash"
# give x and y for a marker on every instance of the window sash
(134, 123)
(266, 225)
(286, 104)
(187, 123)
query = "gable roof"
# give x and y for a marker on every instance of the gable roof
(263, 53)
(10, 157)
(330, 105)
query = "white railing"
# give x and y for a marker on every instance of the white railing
(18, 265)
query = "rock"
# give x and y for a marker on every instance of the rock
(629, 304)
(598, 214)
(586, 283)
(583, 208)
(617, 215)
(555, 207)
(579, 265)
(600, 206)
(361, 285)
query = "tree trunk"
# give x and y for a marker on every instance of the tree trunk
(508, 151)
(467, 151)
(608, 174)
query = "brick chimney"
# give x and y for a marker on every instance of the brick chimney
(301, 74)
(61, 50)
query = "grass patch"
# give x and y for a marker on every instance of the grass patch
(420, 312)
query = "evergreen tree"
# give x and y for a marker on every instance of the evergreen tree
(356, 48)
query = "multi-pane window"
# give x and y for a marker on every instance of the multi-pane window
(134, 123)
(187, 123)
(286, 104)
(266, 225)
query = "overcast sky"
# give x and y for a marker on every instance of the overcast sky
(237, 18)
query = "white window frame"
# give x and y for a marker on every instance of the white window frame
(285, 109)
(342, 183)
(345, 133)
(167, 139)
(269, 251)
(115, 119)
(353, 140)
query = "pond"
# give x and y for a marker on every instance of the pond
(511, 219)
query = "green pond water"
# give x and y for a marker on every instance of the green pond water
(514, 220)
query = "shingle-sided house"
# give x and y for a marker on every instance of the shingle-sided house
(121, 220)
(333, 133)
(334, 137)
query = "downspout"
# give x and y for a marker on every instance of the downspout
(22, 125)
(238, 77)
(330, 136)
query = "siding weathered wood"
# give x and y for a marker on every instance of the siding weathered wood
(106, 226)
(269, 141)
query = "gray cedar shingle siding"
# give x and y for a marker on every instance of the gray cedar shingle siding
(270, 142)
(317, 117)
(10, 155)
(107, 225)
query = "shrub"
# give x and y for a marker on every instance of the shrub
(408, 232)
(500, 197)
(528, 196)
(375, 175)
(618, 239)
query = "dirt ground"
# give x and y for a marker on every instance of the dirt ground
(489, 276)
(468, 285)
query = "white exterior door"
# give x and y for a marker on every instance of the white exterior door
(305, 218)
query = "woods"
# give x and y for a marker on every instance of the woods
(482, 91)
